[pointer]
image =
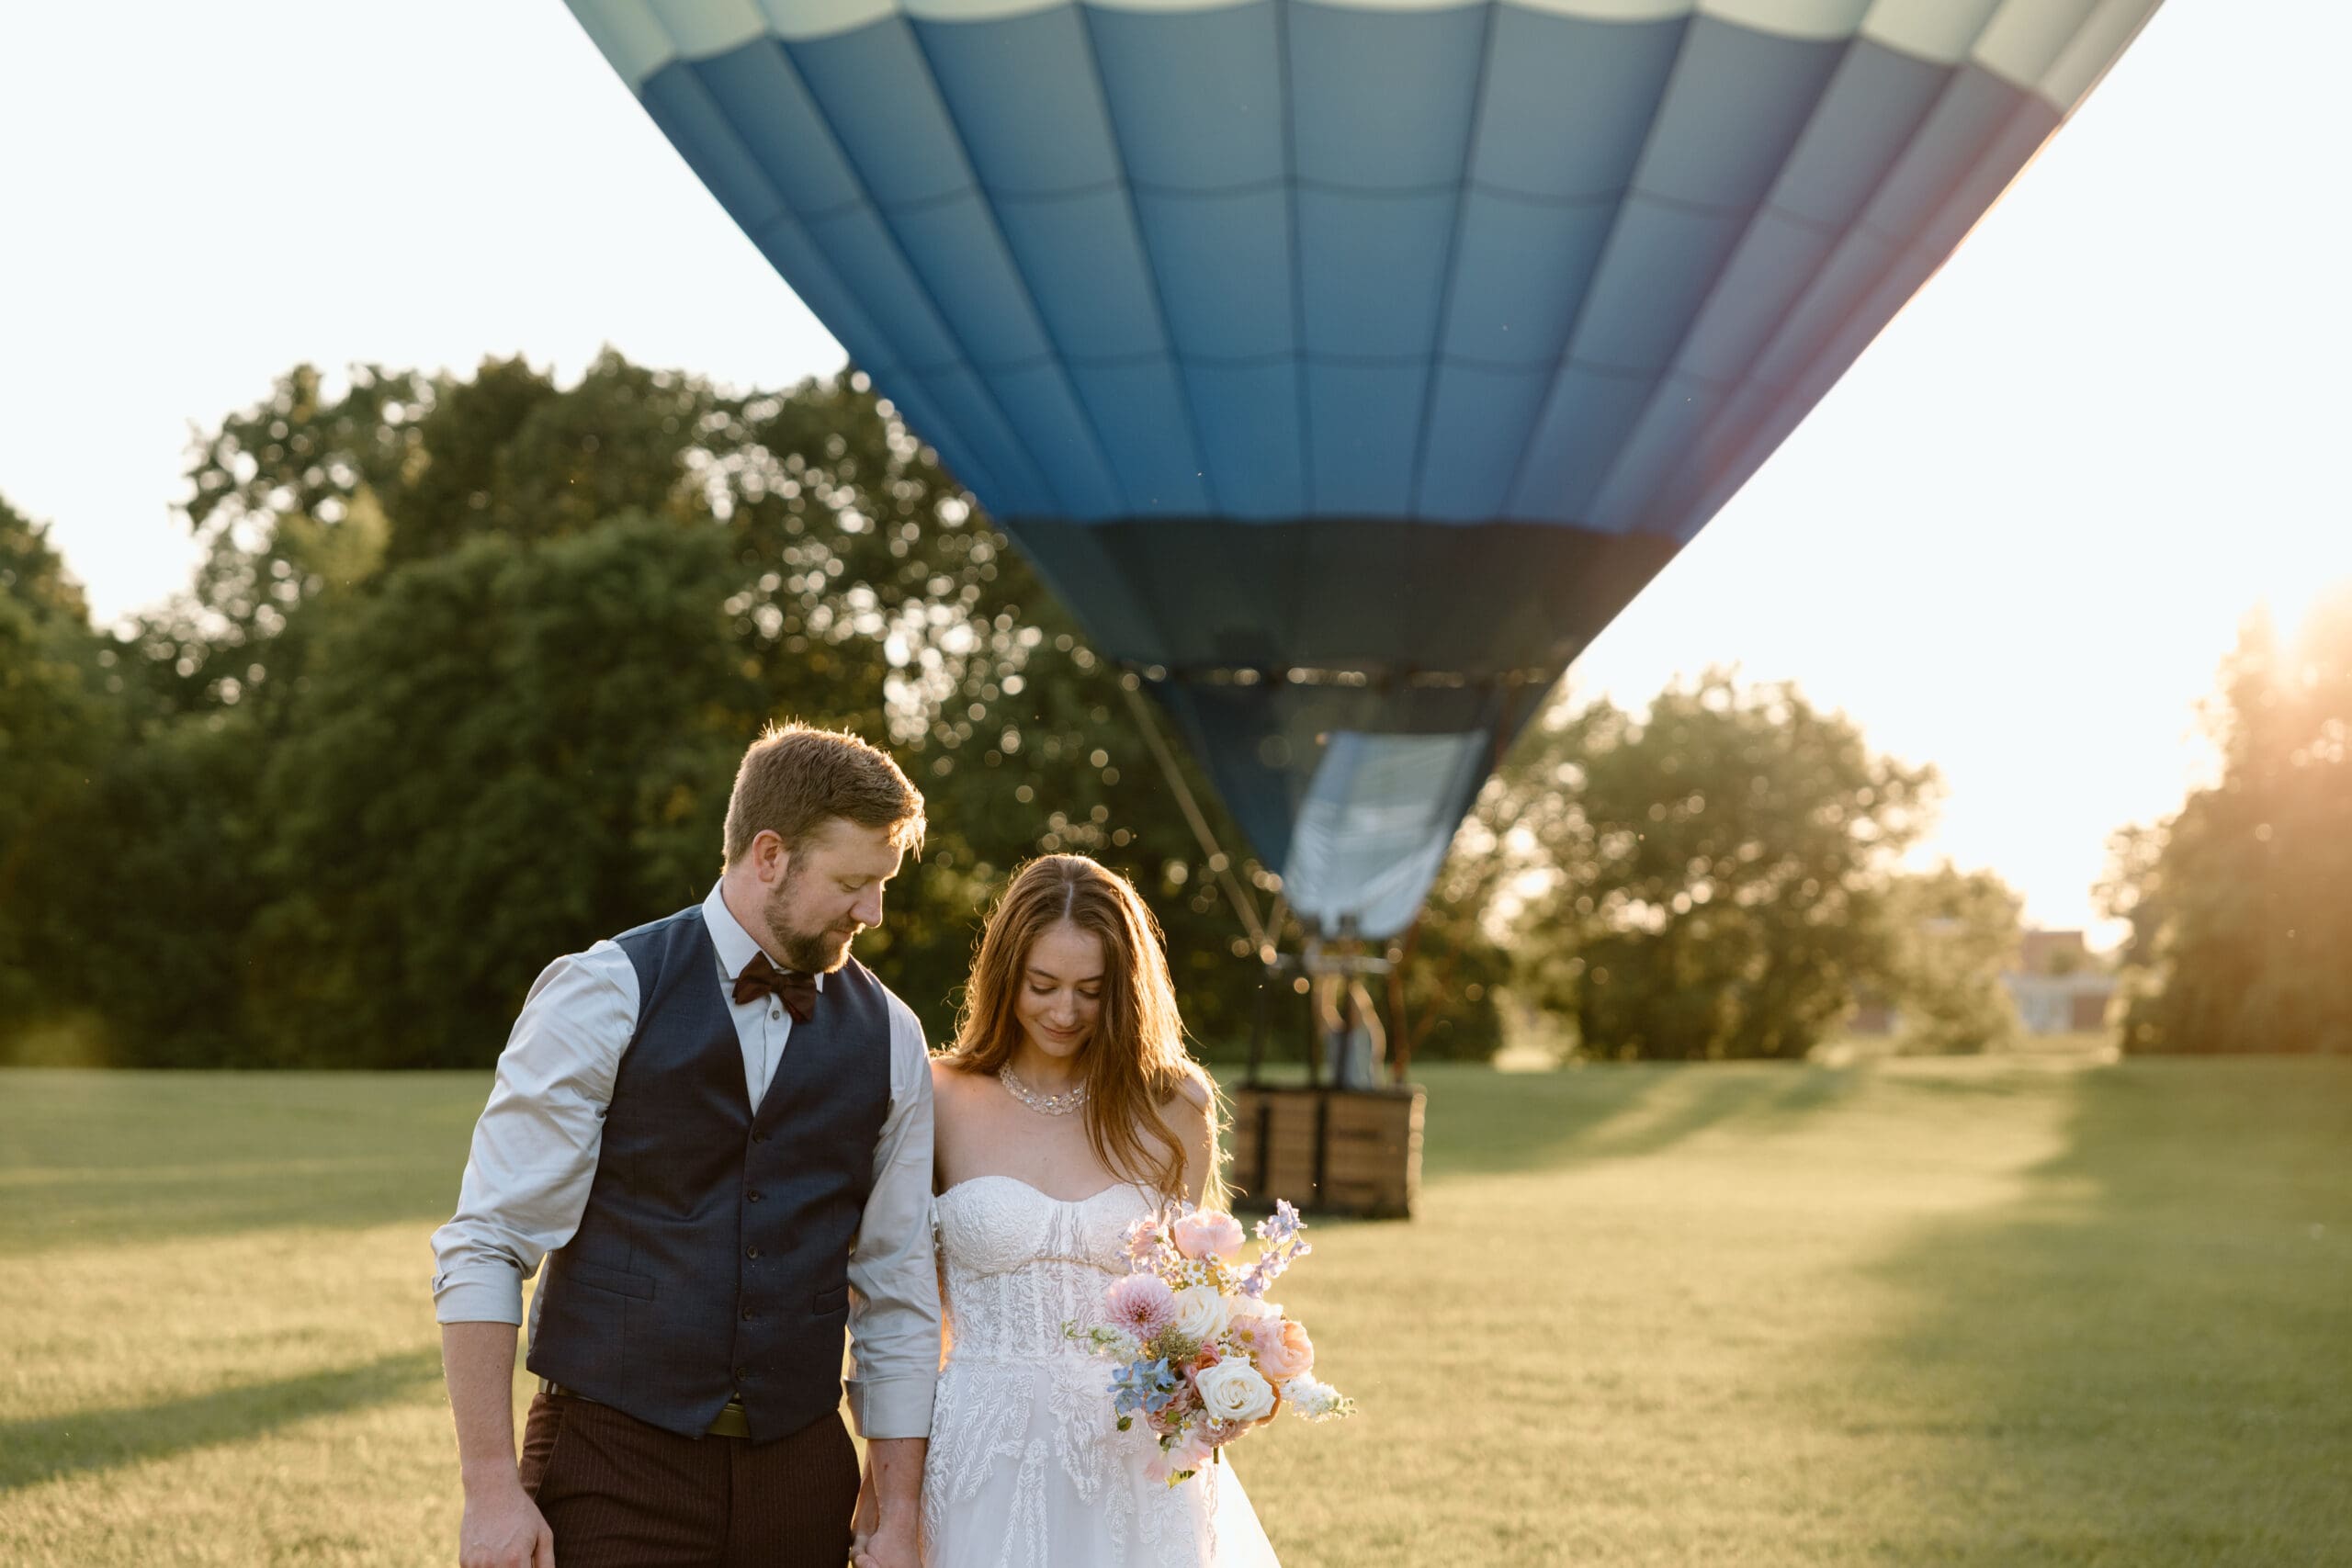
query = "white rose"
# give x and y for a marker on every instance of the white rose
(1200, 1313)
(1232, 1391)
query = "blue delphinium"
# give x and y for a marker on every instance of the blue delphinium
(1147, 1386)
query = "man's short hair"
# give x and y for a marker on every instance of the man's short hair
(795, 779)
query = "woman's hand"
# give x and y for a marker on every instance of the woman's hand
(894, 1547)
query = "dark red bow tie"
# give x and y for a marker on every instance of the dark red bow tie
(796, 990)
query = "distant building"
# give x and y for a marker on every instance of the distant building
(1873, 1015)
(2059, 984)
(2061, 1004)
(2052, 952)
(2060, 987)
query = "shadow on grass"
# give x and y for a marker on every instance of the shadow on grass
(35, 1451)
(2147, 1357)
(1482, 1122)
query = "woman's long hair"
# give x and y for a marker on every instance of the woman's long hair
(1134, 1061)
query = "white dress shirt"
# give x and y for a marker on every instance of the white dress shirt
(534, 1160)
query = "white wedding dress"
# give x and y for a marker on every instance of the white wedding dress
(1027, 1467)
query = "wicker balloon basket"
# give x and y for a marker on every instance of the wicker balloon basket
(1330, 1151)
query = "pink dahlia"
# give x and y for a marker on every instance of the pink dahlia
(1140, 1304)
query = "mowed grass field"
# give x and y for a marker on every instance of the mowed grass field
(1956, 1311)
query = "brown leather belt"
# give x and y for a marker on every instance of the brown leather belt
(732, 1422)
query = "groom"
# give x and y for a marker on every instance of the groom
(716, 1129)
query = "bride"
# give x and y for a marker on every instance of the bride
(1066, 1109)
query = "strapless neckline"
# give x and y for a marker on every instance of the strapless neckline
(1031, 1187)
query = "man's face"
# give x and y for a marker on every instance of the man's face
(827, 892)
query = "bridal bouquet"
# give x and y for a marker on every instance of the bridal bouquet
(1201, 1356)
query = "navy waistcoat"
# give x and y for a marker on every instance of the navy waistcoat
(713, 1259)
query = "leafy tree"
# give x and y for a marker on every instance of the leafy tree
(33, 576)
(127, 873)
(56, 729)
(289, 502)
(1952, 933)
(146, 928)
(502, 754)
(1712, 871)
(2237, 906)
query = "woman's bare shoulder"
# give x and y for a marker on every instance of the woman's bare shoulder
(951, 1074)
(955, 1118)
(1195, 1094)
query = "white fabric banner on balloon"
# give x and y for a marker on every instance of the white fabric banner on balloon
(1377, 820)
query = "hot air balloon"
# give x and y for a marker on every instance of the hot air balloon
(1345, 366)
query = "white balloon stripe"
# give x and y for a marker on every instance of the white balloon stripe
(2025, 36)
(628, 35)
(1938, 31)
(2098, 46)
(2056, 47)
(704, 27)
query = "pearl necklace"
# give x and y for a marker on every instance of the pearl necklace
(1060, 1104)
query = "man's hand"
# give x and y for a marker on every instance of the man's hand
(893, 1545)
(504, 1529)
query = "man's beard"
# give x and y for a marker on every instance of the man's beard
(812, 953)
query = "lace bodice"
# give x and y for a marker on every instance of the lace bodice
(1019, 1264)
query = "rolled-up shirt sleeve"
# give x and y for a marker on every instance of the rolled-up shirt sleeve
(894, 1280)
(534, 1154)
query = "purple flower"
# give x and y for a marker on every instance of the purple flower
(1279, 1247)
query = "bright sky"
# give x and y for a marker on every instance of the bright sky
(2015, 539)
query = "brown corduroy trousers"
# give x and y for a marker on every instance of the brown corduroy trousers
(620, 1494)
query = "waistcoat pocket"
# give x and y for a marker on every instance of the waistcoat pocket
(598, 1277)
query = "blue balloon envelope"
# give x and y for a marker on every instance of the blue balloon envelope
(1346, 367)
